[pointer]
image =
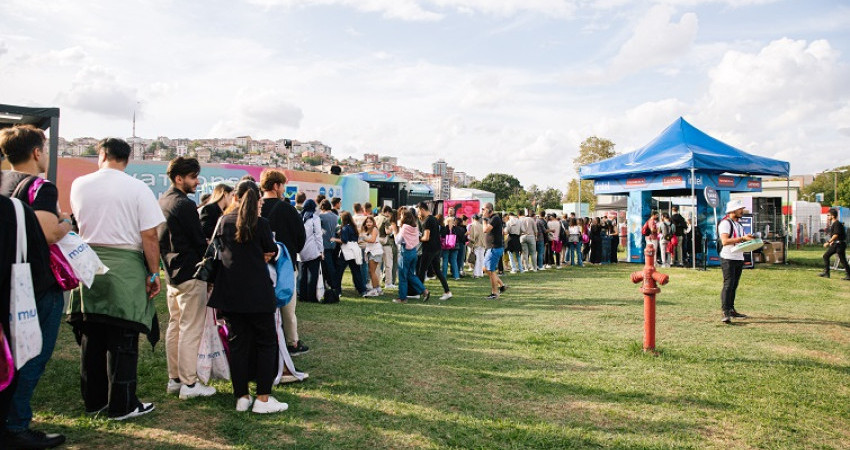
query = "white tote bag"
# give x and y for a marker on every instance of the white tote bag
(212, 359)
(320, 285)
(82, 258)
(23, 315)
(285, 360)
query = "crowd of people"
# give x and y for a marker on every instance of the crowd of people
(393, 252)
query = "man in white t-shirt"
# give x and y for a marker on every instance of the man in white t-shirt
(731, 233)
(118, 217)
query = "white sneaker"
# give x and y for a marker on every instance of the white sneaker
(369, 285)
(371, 293)
(446, 296)
(513, 271)
(290, 378)
(390, 286)
(199, 390)
(173, 387)
(271, 406)
(139, 411)
(414, 296)
(244, 403)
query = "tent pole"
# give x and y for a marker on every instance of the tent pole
(693, 218)
(54, 149)
(785, 219)
(578, 203)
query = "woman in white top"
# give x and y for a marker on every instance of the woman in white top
(374, 253)
(312, 253)
(574, 241)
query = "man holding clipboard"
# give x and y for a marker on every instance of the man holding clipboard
(731, 233)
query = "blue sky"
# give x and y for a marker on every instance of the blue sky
(489, 85)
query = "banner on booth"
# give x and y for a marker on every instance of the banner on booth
(677, 180)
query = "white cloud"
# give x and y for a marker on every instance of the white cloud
(256, 111)
(656, 40)
(3, 48)
(433, 10)
(96, 89)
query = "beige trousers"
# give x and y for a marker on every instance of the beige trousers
(187, 307)
(290, 322)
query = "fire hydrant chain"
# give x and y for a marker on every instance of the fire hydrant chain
(651, 279)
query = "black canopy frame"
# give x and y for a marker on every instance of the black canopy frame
(44, 118)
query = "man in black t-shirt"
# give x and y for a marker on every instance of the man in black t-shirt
(836, 245)
(23, 145)
(431, 249)
(493, 228)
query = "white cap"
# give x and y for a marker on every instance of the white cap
(734, 205)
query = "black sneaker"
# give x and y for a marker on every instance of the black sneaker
(824, 274)
(846, 278)
(503, 288)
(727, 318)
(426, 295)
(298, 349)
(492, 297)
(737, 315)
(33, 439)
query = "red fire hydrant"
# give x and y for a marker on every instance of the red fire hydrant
(649, 277)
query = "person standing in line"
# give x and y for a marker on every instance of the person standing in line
(221, 198)
(23, 145)
(514, 247)
(431, 249)
(650, 231)
(182, 245)
(460, 231)
(564, 224)
(731, 233)
(836, 245)
(554, 226)
(407, 239)
(348, 234)
(449, 252)
(574, 241)
(244, 294)
(495, 248)
(478, 241)
(528, 240)
(118, 217)
(665, 235)
(288, 229)
(679, 227)
(387, 228)
(329, 222)
(312, 253)
(374, 254)
(540, 231)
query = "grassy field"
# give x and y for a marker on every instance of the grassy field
(556, 363)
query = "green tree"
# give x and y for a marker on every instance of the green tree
(593, 149)
(551, 198)
(515, 202)
(89, 151)
(826, 183)
(503, 185)
(312, 160)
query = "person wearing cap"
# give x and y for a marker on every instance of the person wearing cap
(731, 233)
(837, 244)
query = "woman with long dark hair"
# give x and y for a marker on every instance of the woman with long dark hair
(212, 210)
(244, 294)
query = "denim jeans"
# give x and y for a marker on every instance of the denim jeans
(450, 259)
(407, 279)
(575, 254)
(461, 258)
(516, 261)
(50, 311)
(541, 252)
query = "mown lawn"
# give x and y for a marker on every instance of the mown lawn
(556, 363)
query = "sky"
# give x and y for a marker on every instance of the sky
(509, 86)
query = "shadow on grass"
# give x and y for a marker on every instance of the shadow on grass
(799, 320)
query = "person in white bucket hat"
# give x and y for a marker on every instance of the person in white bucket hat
(731, 233)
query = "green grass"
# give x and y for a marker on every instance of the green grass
(556, 363)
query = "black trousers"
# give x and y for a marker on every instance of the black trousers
(330, 267)
(309, 271)
(732, 270)
(109, 359)
(253, 351)
(356, 275)
(840, 249)
(431, 260)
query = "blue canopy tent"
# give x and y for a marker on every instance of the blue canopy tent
(681, 158)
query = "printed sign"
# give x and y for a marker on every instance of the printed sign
(712, 197)
(290, 192)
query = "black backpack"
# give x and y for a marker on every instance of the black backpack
(719, 242)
